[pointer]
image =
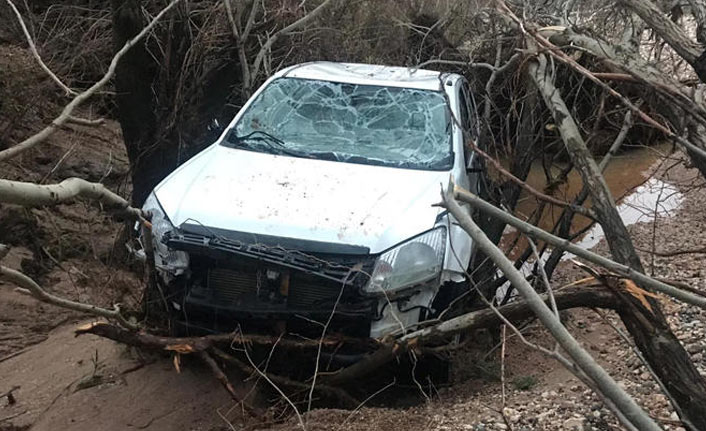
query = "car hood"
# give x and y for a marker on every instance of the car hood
(372, 206)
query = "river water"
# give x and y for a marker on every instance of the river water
(629, 177)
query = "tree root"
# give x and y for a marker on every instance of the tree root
(223, 379)
(329, 391)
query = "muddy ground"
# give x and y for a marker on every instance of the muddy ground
(87, 383)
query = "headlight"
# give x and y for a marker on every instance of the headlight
(173, 261)
(413, 262)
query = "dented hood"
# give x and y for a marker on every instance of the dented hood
(345, 203)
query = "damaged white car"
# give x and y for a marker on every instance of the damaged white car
(318, 200)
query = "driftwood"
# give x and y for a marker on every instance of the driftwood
(197, 344)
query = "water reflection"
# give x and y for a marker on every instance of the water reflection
(655, 197)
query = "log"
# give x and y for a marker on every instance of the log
(647, 325)
(186, 345)
(593, 296)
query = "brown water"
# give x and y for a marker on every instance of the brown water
(628, 177)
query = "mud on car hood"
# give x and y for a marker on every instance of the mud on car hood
(316, 200)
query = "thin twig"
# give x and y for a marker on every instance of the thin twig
(275, 386)
(33, 48)
(66, 113)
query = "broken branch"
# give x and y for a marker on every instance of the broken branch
(33, 48)
(32, 195)
(65, 114)
(198, 344)
(541, 235)
(30, 287)
(223, 379)
(604, 382)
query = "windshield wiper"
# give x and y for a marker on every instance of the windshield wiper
(271, 142)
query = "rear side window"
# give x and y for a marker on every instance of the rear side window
(467, 110)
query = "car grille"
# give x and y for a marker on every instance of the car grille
(231, 285)
(335, 268)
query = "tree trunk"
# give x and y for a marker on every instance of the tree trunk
(137, 111)
(650, 329)
(670, 31)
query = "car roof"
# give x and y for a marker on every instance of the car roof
(370, 74)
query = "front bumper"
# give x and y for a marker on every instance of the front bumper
(231, 284)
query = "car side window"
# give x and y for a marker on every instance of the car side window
(464, 114)
(467, 100)
(467, 116)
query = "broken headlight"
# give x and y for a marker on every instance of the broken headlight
(172, 261)
(413, 262)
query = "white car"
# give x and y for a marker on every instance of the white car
(318, 198)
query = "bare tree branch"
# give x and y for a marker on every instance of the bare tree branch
(670, 31)
(545, 197)
(223, 379)
(257, 63)
(31, 195)
(697, 153)
(86, 121)
(564, 244)
(33, 48)
(30, 287)
(65, 114)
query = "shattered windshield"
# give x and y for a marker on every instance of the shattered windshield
(400, 127)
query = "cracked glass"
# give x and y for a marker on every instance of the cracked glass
(391, 126)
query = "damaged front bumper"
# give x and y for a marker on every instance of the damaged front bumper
(261, 284)
(240, 280)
